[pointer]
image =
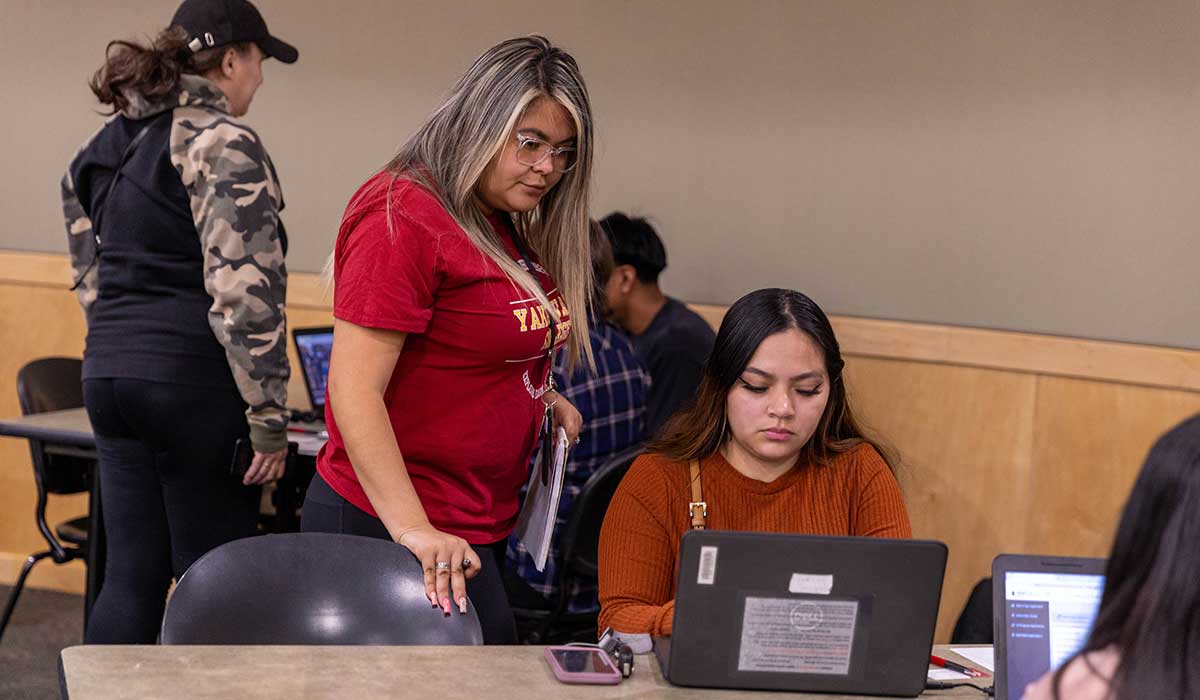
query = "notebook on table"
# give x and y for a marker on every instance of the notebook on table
(803, 613)
(1042, 613)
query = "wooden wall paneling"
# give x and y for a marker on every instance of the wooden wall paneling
(35, 321)
(309, 291)
(1090, 439)
(964, 438)
(1125, 363)
(41, 269)
(1008, 442)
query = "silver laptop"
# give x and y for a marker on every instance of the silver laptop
(803, 613)
(1042, 613)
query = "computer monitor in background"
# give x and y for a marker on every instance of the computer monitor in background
(1042, 611)
(313, 346)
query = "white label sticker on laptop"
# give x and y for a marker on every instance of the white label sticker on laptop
(816, 584)
(786, 635)
(708, 566)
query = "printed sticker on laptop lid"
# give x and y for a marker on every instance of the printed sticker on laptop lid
(787, 635)
(707, 572)
(815, 584)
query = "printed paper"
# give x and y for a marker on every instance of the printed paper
(789, 635)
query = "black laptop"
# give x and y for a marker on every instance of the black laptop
(803, 613)
(313, 346)
(1042, 613)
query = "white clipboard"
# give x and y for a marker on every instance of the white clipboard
(535, 525)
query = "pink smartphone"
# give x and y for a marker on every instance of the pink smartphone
(582, 665)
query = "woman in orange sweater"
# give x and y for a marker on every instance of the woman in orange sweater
(776, 449)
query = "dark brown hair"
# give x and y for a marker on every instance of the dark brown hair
(602, 265)
(152, 71)
(1150, 610)
(700, 429)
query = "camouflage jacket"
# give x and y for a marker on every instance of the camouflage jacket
(231, 194)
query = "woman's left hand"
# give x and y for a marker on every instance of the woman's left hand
(266, 466)
(568, 417)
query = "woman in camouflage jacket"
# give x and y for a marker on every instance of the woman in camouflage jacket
(172, 212)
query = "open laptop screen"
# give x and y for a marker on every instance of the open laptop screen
(1048, 616)
(313, 345)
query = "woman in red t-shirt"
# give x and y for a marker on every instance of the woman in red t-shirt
(445, 320)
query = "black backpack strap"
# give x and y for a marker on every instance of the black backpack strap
(98, 210)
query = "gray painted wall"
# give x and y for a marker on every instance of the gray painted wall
(1018, 165)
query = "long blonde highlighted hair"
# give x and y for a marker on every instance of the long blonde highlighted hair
(454, 146)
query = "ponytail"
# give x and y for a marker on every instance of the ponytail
(150, 72)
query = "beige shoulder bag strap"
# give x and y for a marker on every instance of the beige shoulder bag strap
(697, 508)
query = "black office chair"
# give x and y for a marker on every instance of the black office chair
(579, 548)
(310, 588)
(52, 384)
(974, 624)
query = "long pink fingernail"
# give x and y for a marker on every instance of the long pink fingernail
(446, 605)
(433, 599)
(462, 605)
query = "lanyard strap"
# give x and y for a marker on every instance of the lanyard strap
(547, 429)
(98, 210)
(523, 250)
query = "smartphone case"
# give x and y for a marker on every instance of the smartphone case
(611, 677)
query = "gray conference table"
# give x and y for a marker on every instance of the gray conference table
(364, 673)
(71, 428)
(70, 432)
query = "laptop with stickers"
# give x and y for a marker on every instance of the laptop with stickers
(803, 613)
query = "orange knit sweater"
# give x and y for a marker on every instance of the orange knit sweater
(855, 494)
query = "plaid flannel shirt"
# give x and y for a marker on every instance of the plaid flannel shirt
(613, 405)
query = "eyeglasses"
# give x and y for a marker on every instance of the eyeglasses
(532, 151)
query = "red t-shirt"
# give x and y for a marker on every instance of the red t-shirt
(465, 397)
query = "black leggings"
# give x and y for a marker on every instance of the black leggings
(166, 494)
(326, 511)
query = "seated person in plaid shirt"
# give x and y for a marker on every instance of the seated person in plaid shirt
(613, 405)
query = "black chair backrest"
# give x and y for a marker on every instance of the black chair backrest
(54, 384)
(581, 538)
(974, 625)
(310, 588)
(50, 384)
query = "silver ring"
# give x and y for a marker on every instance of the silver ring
(466, 563)
(442, 565)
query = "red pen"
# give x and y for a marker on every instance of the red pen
(939, 661)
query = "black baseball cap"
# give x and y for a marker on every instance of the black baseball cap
(212, 23)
